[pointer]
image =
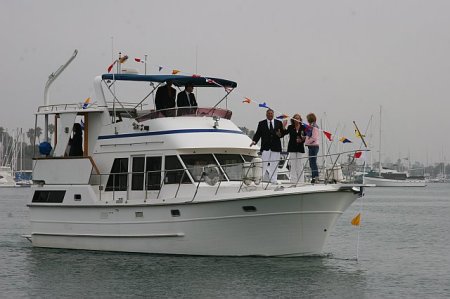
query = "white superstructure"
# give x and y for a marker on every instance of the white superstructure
(170, 184)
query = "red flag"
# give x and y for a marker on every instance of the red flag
(196, 76)
(328, 135)
(247, 100)
(111, 66)
(211, 81)
(358, 155)
(139, 60)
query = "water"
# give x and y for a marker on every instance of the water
(404, 252)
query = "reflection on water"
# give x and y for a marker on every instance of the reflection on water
(95, 274)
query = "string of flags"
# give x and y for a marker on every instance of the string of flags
(246, 100)
(86, 103)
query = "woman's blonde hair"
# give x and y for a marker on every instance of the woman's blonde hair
(311, 118)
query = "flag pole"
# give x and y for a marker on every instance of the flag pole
(145, 64)
(359, 230)
(359, 134)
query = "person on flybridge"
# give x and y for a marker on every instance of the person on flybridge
(165, 99)
(186, 101)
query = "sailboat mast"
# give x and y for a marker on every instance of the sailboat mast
(379, 151)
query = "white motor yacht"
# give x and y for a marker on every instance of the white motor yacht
(184, 182)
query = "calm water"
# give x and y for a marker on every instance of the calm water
(404, 252)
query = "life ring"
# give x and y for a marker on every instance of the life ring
(211, 174)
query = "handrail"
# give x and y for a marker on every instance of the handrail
(197, 182)
(185, 111)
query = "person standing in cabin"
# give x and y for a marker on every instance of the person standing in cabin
(312, 142)
(270, 131)
(76, 142)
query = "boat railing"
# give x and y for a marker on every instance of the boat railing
(186, 111)
(150, 184)
(63, 107)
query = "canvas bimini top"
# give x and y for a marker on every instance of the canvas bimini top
(177, 80)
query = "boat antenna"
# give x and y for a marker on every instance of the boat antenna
(50, 80)
(145, 64)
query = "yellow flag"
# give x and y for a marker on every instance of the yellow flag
(358, 134)
(357, 220)
(174, 72)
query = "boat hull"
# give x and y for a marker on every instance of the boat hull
(380, 182)
(283, 224)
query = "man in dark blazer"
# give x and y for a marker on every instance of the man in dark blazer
(186, 100)
(165, 99)
(270, 131)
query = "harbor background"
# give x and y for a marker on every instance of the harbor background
(404, 252)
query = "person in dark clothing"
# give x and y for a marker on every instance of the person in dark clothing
(186, 100)
(76, 142)
(269, 131)
(165, 99)
(296, 149)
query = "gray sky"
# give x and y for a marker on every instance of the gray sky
(339, 59)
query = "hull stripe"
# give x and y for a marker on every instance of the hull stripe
(168, 132)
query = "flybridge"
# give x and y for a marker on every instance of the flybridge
(177, 80)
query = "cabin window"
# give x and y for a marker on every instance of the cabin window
(153, 171)
(50, 196)
(174, 171)
(137, 178)
(232, 165)
(117, 180)
(196, 163)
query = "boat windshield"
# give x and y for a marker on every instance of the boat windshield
(229, 166)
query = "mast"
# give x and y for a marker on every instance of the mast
(379, 149)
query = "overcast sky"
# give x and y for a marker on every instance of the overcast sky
(339, 59)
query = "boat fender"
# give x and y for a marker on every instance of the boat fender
(257, 170)
(211, 174)
(45, 148)
(247, 173)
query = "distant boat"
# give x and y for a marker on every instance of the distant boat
(389, 177)
(6, 177)
(392, 178)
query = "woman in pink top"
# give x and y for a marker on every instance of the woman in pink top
(312, 142)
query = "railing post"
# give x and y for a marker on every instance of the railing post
(271, 176)
(114, 186)
(198, 185)
(179, 183)
(161, 184)
(145, 184)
